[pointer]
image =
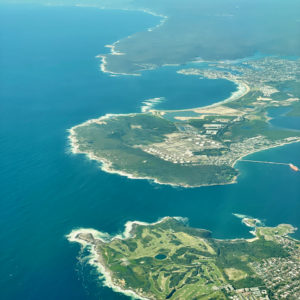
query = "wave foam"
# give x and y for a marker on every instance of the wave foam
(95, 259)
(151, 103)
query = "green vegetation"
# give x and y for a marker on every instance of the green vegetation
(199, 146)
(202, 31)
(271, 233)
(239, 254)
(118, 140)
(255, 127)
(169, 260)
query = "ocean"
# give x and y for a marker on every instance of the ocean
(50, 80)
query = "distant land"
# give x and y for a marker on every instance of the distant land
(79, 64)
(169, 260)
(193, 29)
(199, 146)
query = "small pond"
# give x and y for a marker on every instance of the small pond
(160, 256)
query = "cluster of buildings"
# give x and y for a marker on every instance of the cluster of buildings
(281, 276)
(213, 128)
(181, 147)
(255, 73)
(253, 293)
(192, 146)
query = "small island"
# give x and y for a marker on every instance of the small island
(170, 260)
(198, 146)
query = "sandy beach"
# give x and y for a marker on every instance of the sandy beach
(147, 106)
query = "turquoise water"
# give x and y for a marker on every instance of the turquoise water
(282, 120)
(180, 91)
(50, 81)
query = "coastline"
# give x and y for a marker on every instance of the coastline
(148, 104)
(244, 219)
(113, 51)
(264, 149)
(112, 47)
(95, 258)
(242, 90)
(106, 165)
(103, 67)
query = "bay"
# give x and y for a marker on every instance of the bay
(51, 81)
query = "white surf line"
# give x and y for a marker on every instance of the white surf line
(151, 103)
(161, 23)
(112, 47)
(95, 259)
(113, 50)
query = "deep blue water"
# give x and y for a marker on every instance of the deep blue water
(50, 81)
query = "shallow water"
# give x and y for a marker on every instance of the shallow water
(50, 81)
(282, 119)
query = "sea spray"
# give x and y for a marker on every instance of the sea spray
(151, 103)
(94, 258)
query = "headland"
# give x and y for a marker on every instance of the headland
(169, 260)
(197, 146)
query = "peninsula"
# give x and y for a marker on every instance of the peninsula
(198, 146)
(211, 30)
(169, 260)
